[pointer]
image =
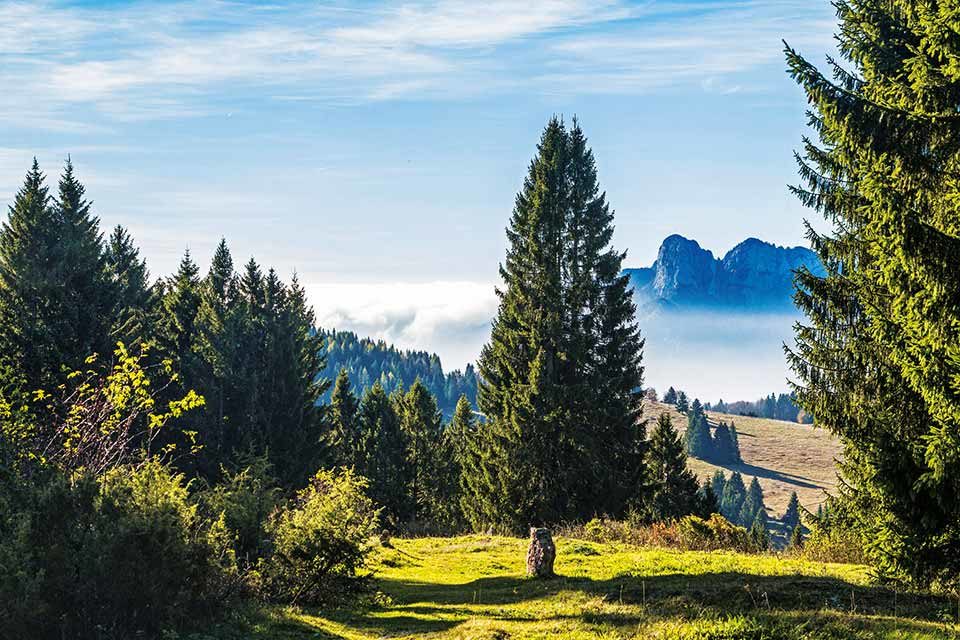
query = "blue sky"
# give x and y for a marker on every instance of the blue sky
(376, 147)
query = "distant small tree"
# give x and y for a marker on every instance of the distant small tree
(725, 449)
(734, 494)
(682, 403)
(709, 501)
(670, 397)
(717, 483)
(698, 441)
(791, 517)
(759, 537)
(675, 491)
(752, 504)
(796, 538)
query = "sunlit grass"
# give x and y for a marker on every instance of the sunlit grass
(474, 587)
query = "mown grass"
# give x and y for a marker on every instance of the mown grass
(474, 587)
(783, 456)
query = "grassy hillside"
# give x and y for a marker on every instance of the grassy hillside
(783, 456)
(474, 587)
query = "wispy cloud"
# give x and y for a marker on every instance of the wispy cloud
(152, 60)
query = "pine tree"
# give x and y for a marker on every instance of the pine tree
(134, 314)
(796, 538)
(670, 397)
(675, 488)
(759, 536)
(181, 302)
(561, 375)
(384, 448)
(752, 504)
(709, 501)
(878, 358)
(697, 437)
(421, 423)
(724, 448)
(682, 404)
(344, 423)
(717, 483)
(791, 517)
(56, 297)
(734, 495)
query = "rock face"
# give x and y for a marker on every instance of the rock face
(541, 553)
(753, 275)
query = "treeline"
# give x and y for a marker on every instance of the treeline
(369, 361)
(721, 446)
(776, 407)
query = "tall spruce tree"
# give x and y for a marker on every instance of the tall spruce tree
(734, 495)
(384, 448)
(421, 423)
(878, 359)
(791, 517)
(752, 504)
(682, 403)
(56, 296)
(344, 423)
(725, 449)
(675, 489)
(135, 311)
(561, 375)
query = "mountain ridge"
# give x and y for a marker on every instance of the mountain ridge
(754, 275)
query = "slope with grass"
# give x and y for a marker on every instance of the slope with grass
(474, 587)
(783, 456)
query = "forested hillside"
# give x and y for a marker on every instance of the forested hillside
(368, 361)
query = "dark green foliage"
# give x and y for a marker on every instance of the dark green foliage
(717, 483)
(384, 455)
(561, 375)
(759, 536)
(697, 437)
(675, 490)
(796, 538)
(734, 495)
(791, 517)
(421, 423)
(682, 404)
(752, 505)
(134, 314)
(344, 419)
(117, 557)
(777, 407)
(56, 295)
(878, 358)
(670, 397)
(726, 450)
(368, 361)
(709, 501)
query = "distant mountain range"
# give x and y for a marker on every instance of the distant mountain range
(753, 276)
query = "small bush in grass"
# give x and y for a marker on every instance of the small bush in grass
(832, 544)
(716, 533)
(321, 541)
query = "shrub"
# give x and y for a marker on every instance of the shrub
(832, 544)
(244, 500)
(120, 556)
(716, 533)
(320, 541)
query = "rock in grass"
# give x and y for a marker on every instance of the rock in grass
(541, 553)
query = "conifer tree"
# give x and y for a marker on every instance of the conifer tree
(709, 501)
(177, 326)
(796, 538)
(134, 314)
(717, 483)
(759, 536)
(878, 359)
(344, 423)
(791, 517)
(675, 488)
(384, 448)
(670, 397)
(421, 423)
(561, 375)
(752, 504)
(682, 404)
(697, 437)
(734, 495)
(724, 448)
(56, 297)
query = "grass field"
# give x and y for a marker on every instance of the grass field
(474, 587)
(783, 456)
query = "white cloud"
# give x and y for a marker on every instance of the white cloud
(449, 318)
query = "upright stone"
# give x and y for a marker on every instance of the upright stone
(541, 554)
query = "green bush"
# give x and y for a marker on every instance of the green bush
(715, 533)
(243, 501)
(320, 541)
(120, 556)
